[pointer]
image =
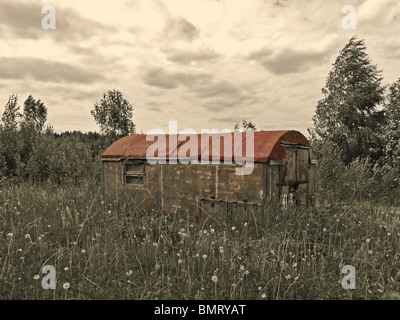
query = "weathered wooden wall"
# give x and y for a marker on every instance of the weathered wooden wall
(187, 187)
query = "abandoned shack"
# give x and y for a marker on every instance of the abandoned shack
(284, 170)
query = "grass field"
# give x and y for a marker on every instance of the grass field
(106, 250)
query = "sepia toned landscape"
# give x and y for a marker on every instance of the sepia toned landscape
(86, 214)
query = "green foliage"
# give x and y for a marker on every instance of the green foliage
(362, 180)
(11, 112)
(348, 115)
(391, 133)
(246, 125)
(114, 114)
(35, 112)
(30, 154)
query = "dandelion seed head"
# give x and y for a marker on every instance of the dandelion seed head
(36, 277)
(214, 278)
(66, 286)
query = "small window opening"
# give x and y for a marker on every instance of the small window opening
(134, 173)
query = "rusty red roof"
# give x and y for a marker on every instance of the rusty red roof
(267, 145)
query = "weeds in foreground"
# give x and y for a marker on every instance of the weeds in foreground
(103, 250)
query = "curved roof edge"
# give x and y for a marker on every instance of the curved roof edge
(267, 145)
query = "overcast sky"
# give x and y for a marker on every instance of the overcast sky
(203, 63)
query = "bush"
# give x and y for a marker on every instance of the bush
(30, 154)
(360, 180)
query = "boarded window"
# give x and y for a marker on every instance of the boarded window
(134, 173)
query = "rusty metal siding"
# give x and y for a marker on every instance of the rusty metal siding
(183, 184)
(267, 145)
(235, 187)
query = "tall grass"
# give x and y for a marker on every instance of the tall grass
(110, 250)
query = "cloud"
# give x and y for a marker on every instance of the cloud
(187, 56)
(372, 13)
(45, 70)
(156, 106)
(178, 28)
(293, 58)
(209, 91)
(24, 20)
(158, 77)
(282, 3)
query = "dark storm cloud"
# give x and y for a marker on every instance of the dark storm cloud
(24, 20)
(44, 70)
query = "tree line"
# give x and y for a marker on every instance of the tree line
(31, 150)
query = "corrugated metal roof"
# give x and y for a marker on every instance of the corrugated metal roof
(267, 145)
